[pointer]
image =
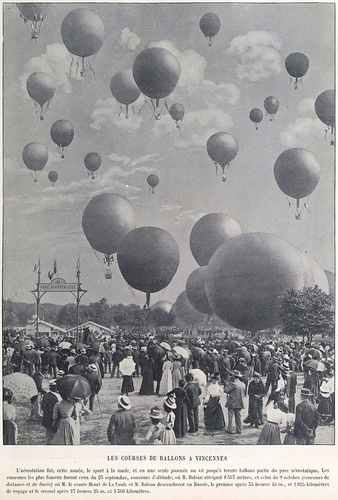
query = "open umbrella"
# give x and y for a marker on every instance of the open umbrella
(315, 364)
(77, 346)
(22, 385)
(181, 351)
(65, 345)
(315, 353)
(43, 342)
(74, 386)
(233, 346)
(199, 376)
(127, 366)
(166, 346)
(242, 352)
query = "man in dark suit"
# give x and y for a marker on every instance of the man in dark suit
(49, 401)
(307, 419)
(272, 375)
(35, 407)
(193, 391)
(290, 385)
(235, 401)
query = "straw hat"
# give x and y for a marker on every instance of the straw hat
(170, 402)
(156, 413)
(124, 401)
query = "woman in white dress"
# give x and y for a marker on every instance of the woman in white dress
(166, 384)
(276, 421)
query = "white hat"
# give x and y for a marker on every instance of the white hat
(124, 401)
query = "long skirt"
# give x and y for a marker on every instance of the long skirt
(68, 432)
(289, 438)
(10, 432)
(255, 412)
(324, 408)
(270, 434)
(147, 386)
(127, 384)
(213, 414)
(168, 436)
(181, 419)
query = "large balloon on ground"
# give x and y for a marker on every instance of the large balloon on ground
(164, 305)
(210, 232)
(195, 290)
(331, 280)
(148, 259)
(106, 220)
(246, 277)
(313, 272)
(222, 149)
(186, 312)
(297, 173)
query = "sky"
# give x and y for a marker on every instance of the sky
(218, 87)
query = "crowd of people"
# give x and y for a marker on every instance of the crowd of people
(192, 378)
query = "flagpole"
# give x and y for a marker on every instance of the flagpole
(38, 301)
(78, 298)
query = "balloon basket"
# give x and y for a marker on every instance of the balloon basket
(298, 217)
(108, 274)
(42, 117)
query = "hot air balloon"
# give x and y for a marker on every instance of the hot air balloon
(148, 259)
(186, 312)
(82, 32)
(210, 232)
(176, 112)
(271, 105)
(325, 110)
(35, 157)
(256, 116)
(297, 173)
(156, 72)
(162, 304)
(36, 13)
(195, 290)
(222, 149)
(124, 89)
(106, 220)
(62, 133)
(247, 275)
(210, 25)
(92, 163)
(296, 65)
(53, 176)
(41, 88)
(152, 180)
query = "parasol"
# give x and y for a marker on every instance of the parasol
(315, 353)
(65, 345)
(315, 364)
(182, 352)
(165, 345)
(199, 376)
(22, 385)
(127, 366)
(74, 386)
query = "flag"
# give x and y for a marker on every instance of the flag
(53, 271)
(37, 265)
(78, 270)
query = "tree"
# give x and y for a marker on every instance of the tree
(307, 312)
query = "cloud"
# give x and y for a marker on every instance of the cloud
(129, 39)
(189, 215)
(196, 127)
(256, 54)
(307, 106)
(301, 133)
(56, 62)
(168, 207)
(119, 159)
(108, 112)
(193, 65)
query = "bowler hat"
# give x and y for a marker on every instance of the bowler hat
(305, 392)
